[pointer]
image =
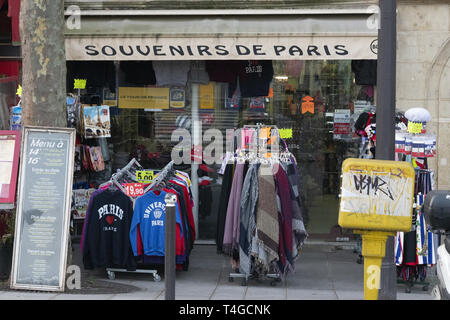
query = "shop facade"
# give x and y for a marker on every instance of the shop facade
(318, 70)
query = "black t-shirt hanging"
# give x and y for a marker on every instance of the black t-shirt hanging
(107, 241)
(365, 72)
(255, 77)
(138, 72)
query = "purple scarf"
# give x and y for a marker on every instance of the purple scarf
(232, 222)
(286, 261)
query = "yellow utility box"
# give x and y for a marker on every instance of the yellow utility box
(376, 195)
(377, 199)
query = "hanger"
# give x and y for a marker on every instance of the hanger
(160, 177)
(124, 175)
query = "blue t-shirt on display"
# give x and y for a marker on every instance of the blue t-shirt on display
(149, 215)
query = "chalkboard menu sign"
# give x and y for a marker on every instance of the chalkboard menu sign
(43, 209)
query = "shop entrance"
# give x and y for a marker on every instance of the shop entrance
(316, 100)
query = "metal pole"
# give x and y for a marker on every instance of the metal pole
(169, 257)
(385, 123)
(196, 141)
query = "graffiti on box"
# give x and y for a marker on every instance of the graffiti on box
(377, 190)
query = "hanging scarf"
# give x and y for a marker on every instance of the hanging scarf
(265, 243)
(223, 205)
(231, 232)
(285, 209)
(249, 198)
(298, 228)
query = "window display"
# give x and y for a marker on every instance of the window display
(318, 101)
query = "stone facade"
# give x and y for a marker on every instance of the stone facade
(423, 72)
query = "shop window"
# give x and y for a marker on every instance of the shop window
(310, 97)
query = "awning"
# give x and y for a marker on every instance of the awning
(266, 35)
(14, 14)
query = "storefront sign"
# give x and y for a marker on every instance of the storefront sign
(376, 195)
(43, 209)
(9, 164)
(206, 96)
(221, 48)
(144, 98)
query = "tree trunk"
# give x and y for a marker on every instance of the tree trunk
(43, 63)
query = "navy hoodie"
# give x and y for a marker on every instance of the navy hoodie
(107, 242)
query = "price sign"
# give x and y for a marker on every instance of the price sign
(145, 176)
(285, 133)
(415, 127)
(19, 91)
(134, 189)
(79, 83)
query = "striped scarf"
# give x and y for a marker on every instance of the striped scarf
(266, 240)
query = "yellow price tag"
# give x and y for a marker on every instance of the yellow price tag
(79, 84)
(285, 133)
(415, 127)
(19, 91)
(145, 176)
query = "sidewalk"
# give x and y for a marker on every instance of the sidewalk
(323, 272)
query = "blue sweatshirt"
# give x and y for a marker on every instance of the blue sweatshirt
(149, 216)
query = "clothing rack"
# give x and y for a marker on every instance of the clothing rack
(130, 171)
(417, 273)
(160, 177)
(276, 278)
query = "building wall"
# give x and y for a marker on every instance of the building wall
(423, 71)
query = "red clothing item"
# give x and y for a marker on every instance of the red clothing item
(180, 246)
(189, 206)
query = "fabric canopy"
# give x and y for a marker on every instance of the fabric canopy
(222, 37)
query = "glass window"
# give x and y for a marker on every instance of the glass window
(316, 99)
